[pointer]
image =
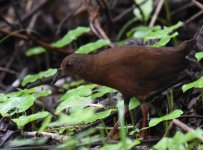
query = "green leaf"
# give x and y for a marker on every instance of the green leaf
(65, 40)
(98, 116)
(197, 133)
(91, 47)
(142, 31)
(38, 91)
(195, 84)
(179, 141)
(134, 102)
(84, 90)
(163, 41)
(170, 116)
(119, 146)
(199, 56)
(23, 120)
(73, 84)
(77, 116)
(43, 93)
(102, 91)
(16, 104)
(163, 33)
(45, 123)
(40, 75)
(70, 36)
(35, 51)
(3, 97)
(146, 8)
(74, 102)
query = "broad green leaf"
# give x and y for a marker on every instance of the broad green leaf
(197, 133)
(91, 47)
(78, 116)
(199, 56)
(195, 84)
(102, 91)
(163, 41)
(43, 93)
(15, 94)
(179, 141)
(74, 102)
(162, 33)
(16, 104)
(146, 8)
(73, 84)
(84, 90)
(134, 102)
(170, 116)
(65, 40)
(45, 123)
(98, 116)
(142, 31)
(38, 91)
(40, 75)
(119, 146)
(3, 97)
(70, 36)
(35, 51)
(23, 120)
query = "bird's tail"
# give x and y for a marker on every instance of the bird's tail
(185, 47)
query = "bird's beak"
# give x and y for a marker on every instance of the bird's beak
(58, 75)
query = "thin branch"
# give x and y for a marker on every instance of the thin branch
(39, 42)
(46, 134)
(8, 70)
(185, 127)
(156, 13)
(194, 17)
(198, 4)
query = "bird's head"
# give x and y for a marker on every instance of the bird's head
(74, 64)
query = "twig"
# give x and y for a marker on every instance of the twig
(185, 127)
(9, 63)
(6, 22)
(104, 6)
(17, 82)
(8, 70)
(17, 14)
(34, 10)
(155, 15)
(198, 4)
(39, 42)
(192, 116)
(46, 134)
(171, 125)
(94, 22)
(181, 8)
(33, 21)
(66, 19)
(194, 17)
(122, 14)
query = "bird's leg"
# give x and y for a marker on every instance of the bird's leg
(144, 109)
(115, 127)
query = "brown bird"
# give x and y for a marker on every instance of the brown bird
(136, 71)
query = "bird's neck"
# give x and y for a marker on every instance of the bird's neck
(89, 69)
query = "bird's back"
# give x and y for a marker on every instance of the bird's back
(138, 70)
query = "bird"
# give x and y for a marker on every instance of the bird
(135, 71)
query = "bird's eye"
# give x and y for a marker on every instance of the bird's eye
(68, 65)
